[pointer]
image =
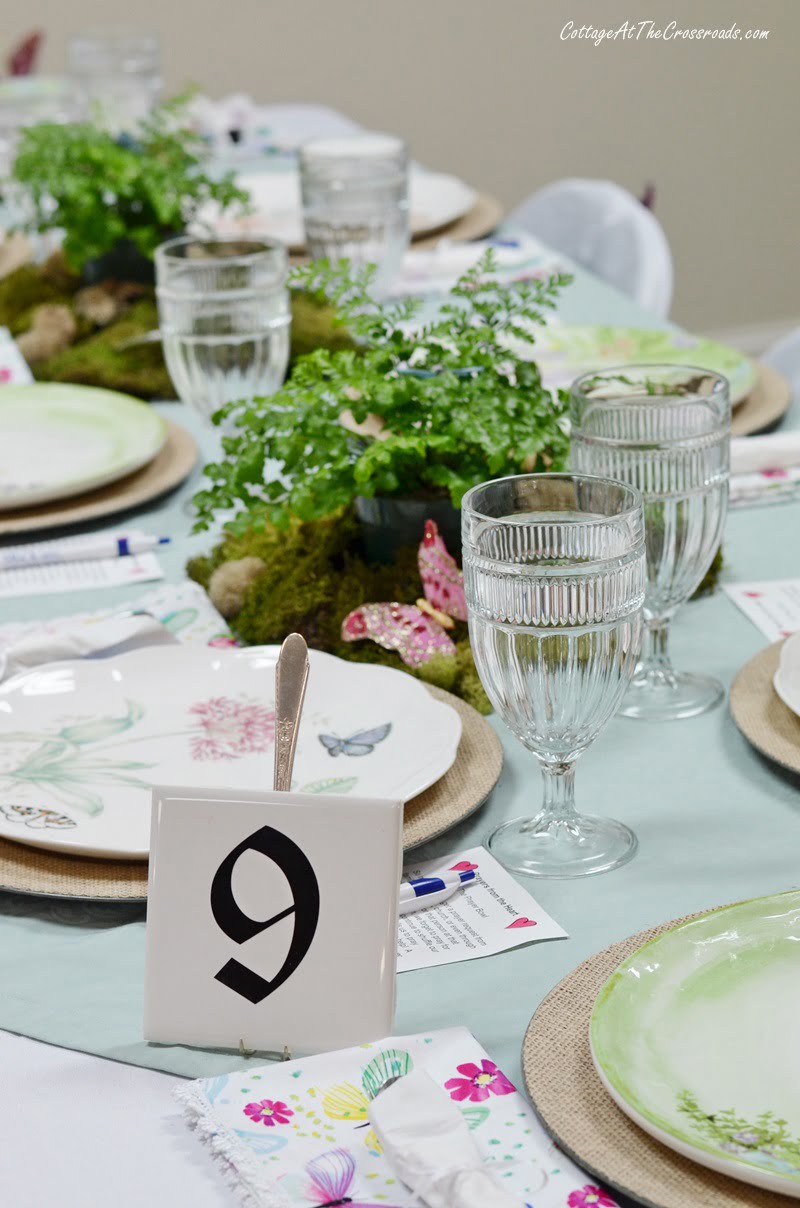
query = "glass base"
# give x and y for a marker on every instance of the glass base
(542, 847)
(668, 696)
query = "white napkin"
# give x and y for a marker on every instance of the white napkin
(777, 451)
(428, 1143)
(765, 469)
(116, 635)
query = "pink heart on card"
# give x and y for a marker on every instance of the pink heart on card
(521, 922)
(463, 866)
(754, 595)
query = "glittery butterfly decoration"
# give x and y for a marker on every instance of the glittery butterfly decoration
(418, 631)
(363, 743)
(330, 1180)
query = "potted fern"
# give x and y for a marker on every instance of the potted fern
(402, 422)
(116, 198)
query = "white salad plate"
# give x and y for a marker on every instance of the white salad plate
(83, 741)
(57, 440)
(435, 200)
(786, 680)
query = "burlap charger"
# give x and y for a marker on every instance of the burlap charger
(764, 405)
(174, 463)
(583, 1118)
(763, 718)
(461, 790)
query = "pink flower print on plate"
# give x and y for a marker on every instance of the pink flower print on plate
(477, 1082)
(590, 1197)
(228, 729)
(268, 1112)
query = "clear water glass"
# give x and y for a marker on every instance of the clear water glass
(224, 317)
(554, 573)
(119, 73)
(665, 429)
(355, 201)
(28, 100)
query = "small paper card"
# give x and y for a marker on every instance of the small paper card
(271, 919)
(14, 370)
(488, 915)
(773, 605)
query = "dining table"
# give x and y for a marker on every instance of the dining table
(86, 1112)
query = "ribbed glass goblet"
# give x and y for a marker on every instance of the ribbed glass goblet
(554, 573)
(664, 429)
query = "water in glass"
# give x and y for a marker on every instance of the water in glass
(665, 430)
(554, 578)
(224, 318)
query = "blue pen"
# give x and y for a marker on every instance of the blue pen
(428, 891)
(50, 553)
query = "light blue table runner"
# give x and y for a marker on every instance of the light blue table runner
(715, 823)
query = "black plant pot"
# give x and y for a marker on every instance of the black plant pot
(388, 523)
(124, 262)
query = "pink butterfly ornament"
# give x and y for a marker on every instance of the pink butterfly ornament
(413, 633)
(442, 581)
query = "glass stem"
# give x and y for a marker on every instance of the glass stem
(656, 665)
(559, 793)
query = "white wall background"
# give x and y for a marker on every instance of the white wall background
(486, 89)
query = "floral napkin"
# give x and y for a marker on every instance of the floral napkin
(184, 608)
(298, 1133)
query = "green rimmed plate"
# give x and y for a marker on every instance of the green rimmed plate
(695, 1037)
(566, 350)
(57, 441)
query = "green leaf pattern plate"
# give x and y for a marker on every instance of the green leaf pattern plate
(57, 441)
(564, 351)
(696, 1038)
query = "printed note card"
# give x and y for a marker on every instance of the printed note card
(773, 605)
(487, 915)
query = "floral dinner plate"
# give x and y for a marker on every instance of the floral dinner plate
(82, 741)
(58, 440)
(695, 1037)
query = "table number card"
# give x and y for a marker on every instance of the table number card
(271, 920)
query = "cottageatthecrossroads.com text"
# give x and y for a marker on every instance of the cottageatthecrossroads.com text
(648, 31)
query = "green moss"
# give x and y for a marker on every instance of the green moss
(713, 573)
(25, 289)
(315, 575)
(99, 361)
(313, 326)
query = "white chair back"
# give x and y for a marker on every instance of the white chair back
(606, 230)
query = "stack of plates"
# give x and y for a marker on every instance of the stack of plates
(71, 452)
(82, 742)
(666, 1065)
(693, 1039)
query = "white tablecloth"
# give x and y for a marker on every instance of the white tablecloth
(80, 1132)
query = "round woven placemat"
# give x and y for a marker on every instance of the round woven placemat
(583, 1118)
(175, 461)
(761, 715)
(457, 794)
(764, 405)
